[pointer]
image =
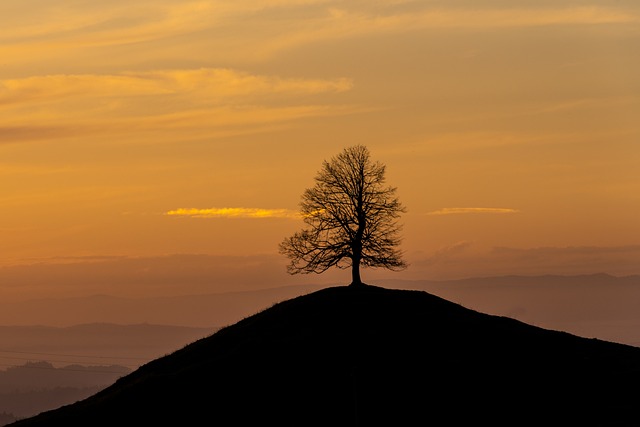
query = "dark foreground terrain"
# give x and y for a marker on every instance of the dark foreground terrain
(360, 357)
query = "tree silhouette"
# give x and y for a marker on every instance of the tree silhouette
(351, 218)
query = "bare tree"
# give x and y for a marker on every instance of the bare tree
(351, 218)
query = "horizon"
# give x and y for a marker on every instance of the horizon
(600, 305)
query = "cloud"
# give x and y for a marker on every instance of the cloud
(465, 260)
(234, 213)
(353, 21)
(220, 26)
(446, 254)
(454, 211)
(204, 100)
(109, 23)
(173, 274)
(219, 83)
(530, 17)
(618, 260)
(552, 252)
(32, 133)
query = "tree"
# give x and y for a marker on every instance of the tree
(351, 218)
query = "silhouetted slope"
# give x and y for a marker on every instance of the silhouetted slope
(372, 356)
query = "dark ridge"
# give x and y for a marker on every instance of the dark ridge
(368, 356)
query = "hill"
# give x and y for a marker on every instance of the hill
(372, 356)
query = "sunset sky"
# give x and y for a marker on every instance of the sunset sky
(172, 140)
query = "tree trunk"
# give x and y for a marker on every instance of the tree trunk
(355, 272)
(356, 246)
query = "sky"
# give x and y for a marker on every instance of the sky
(165, 144)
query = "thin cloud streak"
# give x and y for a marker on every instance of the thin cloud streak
(112, 25)
(220, 83)
(464, 259)
(205, 101)
(258, 213)
(157, 21)
(456, 211)
(342, 23)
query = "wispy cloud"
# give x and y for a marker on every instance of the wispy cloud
(462, 260)
(340, 22)
(447, 253)
(32, 133)
(529, 17)
(205, 100)
(234, 213)
(456, 211)
(50, 28)
(551, 251)
(109, 23)
(219, 83)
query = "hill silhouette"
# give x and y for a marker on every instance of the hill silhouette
(346, 356)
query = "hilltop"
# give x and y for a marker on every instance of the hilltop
(372, 356)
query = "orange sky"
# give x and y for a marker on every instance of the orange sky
(133, 131)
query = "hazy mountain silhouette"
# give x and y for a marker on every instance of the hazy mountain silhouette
(43, 375)
(73, 363)
(6, 418)
(372, 356)
(33, 387)
(118, 344)
(593, 306)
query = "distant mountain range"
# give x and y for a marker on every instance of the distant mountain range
(44, 375)
(34, 387)
(7, 418)
(202, 310)
(598, 306)
(96, 343)
(371, 356)
(42, 368)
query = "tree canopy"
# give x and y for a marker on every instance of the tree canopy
(351, 218)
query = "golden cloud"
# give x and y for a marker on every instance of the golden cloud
(233, 213)
(201, 83)
(36, 32)
(205, 100)
(454, 211)
(108, 23)
(342, 23)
